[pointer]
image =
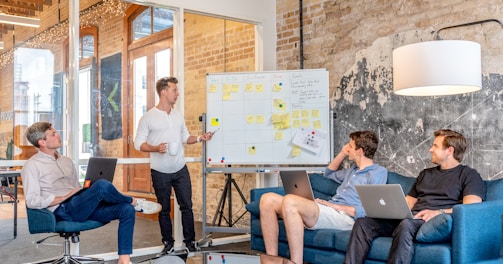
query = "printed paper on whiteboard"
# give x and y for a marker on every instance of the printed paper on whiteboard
(310, 139)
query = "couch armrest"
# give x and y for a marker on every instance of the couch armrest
(41, 221)
(256, 193)
(476, 233)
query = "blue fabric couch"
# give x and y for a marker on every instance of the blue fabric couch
(476, 230)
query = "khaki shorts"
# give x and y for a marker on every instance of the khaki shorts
(330, 218)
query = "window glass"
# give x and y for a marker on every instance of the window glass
(163, 19)
(87, 44)
(37, 95)
(140, 89)
(162, 67)
(142, 24)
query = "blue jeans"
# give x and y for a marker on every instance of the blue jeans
(180, 181)
(103, 203)
(366, 229)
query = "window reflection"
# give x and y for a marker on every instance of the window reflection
(87, 46)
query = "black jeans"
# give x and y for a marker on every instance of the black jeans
(180, 181)
(366, 229)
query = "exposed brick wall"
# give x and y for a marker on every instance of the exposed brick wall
(6, 109)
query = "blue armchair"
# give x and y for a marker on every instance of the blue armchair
(44, 221)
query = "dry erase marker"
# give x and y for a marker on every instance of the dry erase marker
(213, 133)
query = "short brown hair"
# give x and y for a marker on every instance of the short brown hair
(36, 132)
(163, 82)
(366, 140)
(453, 139)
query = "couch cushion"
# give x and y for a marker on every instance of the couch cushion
(323, 188)
(406, 182)
(494, 190)
(437, 230)
(321, 238)
(253, 208)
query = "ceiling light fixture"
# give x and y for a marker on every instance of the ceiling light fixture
(438, 67)
(19, 20)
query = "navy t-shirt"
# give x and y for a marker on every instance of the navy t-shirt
(436, 189)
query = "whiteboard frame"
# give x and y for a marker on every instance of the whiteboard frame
(240, 143)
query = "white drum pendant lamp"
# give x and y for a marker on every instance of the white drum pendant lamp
(434, 68)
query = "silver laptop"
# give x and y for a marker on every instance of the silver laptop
(98, 168)
(384, 201)
(297, 182)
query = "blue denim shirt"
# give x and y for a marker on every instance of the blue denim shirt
(348, 178)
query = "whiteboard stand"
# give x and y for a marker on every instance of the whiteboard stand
(227, 194)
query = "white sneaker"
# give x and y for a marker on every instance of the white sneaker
(147, 207)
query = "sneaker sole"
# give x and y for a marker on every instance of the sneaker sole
(151, 211)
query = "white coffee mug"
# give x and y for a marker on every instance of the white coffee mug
(173, 148)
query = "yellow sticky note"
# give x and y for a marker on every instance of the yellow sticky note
(276, 118)
(213, 88)
(315, 113)
(285, 117)
(226, 96)
(305, 123)
(249, 87)
(227, 88)
(305, 113)
(296, 114)
(278, 135)
(276, 88)
(235, 88)
(279, 104)
(317, 124)
(259, 119)
(295, 151)
(252, 150)
(296, 123)
(277, 126)
(259, 88)
(215, 122)
(250, 119)
(285, 121)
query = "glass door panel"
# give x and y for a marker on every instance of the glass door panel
(139, 90)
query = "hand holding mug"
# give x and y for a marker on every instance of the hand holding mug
(162, 147)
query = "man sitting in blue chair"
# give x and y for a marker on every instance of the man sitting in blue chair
(50, 181)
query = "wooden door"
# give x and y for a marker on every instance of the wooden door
(146, 64)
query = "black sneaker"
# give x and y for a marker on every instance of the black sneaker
(168, 248)
(191, 246)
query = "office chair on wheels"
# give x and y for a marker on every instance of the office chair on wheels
(44, 221)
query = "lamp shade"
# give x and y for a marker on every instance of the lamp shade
(440, 67)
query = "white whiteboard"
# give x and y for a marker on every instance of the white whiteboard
(276, 117)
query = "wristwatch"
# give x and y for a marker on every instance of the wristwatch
(442, 211)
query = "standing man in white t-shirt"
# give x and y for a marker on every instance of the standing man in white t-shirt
(162, 132)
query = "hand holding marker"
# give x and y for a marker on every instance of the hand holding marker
(213, 133)
(207, 136)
